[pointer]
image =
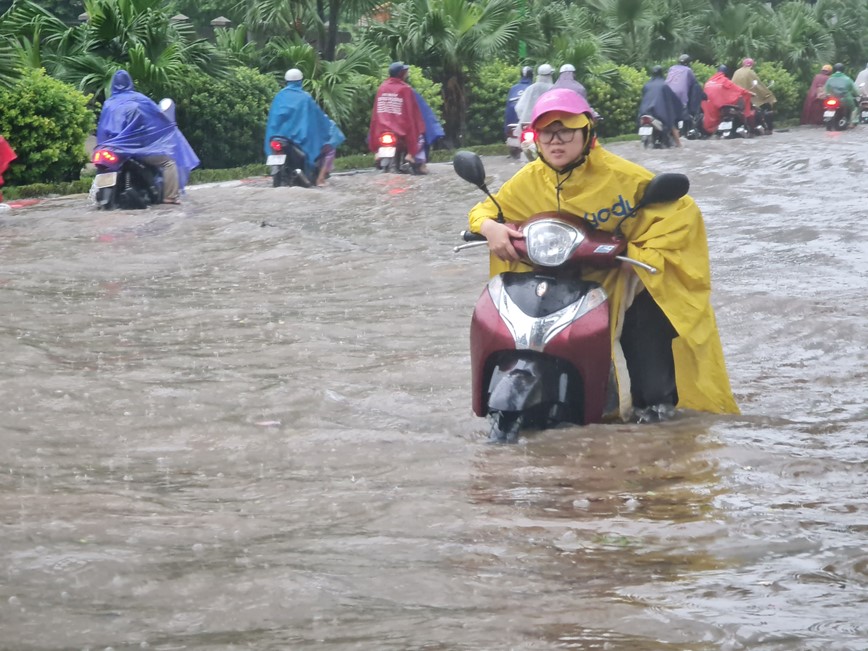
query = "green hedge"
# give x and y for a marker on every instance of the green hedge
(617, 102)
(46, 122)
(224, 119)
(487, 101)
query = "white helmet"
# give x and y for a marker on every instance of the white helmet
(293, 74)
(567, 67)
(544, 70)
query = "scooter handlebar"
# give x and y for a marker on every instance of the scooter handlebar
(470, 236)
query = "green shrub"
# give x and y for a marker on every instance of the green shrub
(224, 119)
(487, 101)
(46, 121)
(618, 102)
(703, 72)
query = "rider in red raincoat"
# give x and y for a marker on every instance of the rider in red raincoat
(396, 110)
(7, 155)
(721, 90)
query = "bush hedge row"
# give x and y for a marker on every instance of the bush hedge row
(47, 121)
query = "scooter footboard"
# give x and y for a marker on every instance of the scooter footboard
(529, 382)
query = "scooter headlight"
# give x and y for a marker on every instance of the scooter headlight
(550, 243)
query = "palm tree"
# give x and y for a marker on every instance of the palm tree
(137, 35)
(450, 38)
(285, 18)
(802, 41)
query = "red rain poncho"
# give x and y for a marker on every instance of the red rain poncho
(396, 110)
(7, 155)
(721, 91)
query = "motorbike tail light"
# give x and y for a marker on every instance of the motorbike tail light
(647, 119)
(104, 157)
(528, 135)
(832, 102)
(276, 145)
(388, 140)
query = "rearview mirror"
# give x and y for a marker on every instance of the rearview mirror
(470, 168)
(664, 188)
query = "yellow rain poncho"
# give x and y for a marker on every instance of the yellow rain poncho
(670, 237)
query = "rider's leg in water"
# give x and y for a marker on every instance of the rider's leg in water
(646, 340)
(676, 136)
(326, 163)
(171, 185)
(421, 158)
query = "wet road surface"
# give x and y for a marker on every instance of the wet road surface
(245, 423)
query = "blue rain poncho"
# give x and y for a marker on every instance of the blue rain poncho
(132, 125)
(295, 115)
(433, 128)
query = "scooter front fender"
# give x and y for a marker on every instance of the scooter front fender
(518, 384)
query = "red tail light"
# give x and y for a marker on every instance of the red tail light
(388, 140)
(104, 157)
(527, 135)
(647, 119)
(276, 146)
(832, 102)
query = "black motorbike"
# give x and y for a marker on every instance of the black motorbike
(732, 121)
(653, 133)
(125, 182)
(836, 117)
(288, 163)
(764, 120)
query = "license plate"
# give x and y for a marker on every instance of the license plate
(725, 126)
(276, 159)
(646, 131)
(865, 114)
(107, 180)
(829, 114)
(386, 152)
(512, 142)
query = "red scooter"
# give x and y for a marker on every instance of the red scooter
(540, 348)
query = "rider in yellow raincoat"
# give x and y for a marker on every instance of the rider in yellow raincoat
(575, 175)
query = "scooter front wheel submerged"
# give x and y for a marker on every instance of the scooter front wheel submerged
(505, 426)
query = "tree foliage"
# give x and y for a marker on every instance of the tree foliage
(46, 121)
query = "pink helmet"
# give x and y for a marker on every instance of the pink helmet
(561, 99)
(747, 63)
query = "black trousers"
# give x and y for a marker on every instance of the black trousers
(646, 339)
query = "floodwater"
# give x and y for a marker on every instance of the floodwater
(245, 423)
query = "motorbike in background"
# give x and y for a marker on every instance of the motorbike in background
(124, 181)
(540, 346)
(835, 114)
(391, 155)
(287, 163)
(732, 121)
(764, 120)
(863, 104)
(653, 133)
(521, 142)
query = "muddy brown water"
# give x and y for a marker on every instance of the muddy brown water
(245, 424)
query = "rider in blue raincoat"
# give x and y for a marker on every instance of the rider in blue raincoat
(295, 115)
(132, 125)
(433, 129)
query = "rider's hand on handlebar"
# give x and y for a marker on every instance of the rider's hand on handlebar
(500, 238)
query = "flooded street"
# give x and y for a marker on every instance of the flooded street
(245, 423)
